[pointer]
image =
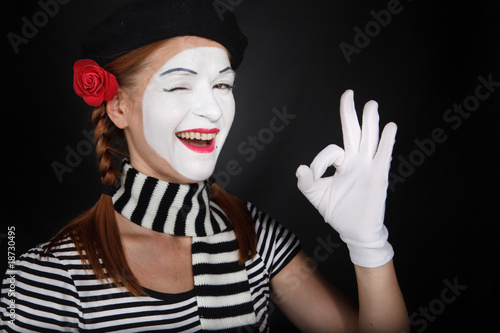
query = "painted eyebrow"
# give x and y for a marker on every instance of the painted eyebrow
(228, 68)
(178, 69)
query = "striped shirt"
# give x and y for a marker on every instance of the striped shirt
(56, 294)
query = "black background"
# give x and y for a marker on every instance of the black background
(443, 218)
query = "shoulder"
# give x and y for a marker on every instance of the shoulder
(38, 265)
(39, 269)
(269, 230)
(43, 289)
(276, 244)
(46, 255)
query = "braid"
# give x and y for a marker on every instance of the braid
(95, 233)
(105, 132)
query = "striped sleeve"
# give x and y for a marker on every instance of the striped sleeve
(276, 245)
(39, 296)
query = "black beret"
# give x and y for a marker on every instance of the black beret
(142, 22)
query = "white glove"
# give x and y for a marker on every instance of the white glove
(352, 201)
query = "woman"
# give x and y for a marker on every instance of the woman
(167, 249)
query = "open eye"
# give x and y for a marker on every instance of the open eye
(223, 86)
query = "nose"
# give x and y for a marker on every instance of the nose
(208, 106)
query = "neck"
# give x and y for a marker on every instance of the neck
(167, 173)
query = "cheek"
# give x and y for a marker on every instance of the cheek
(228, 112)
(160, 115)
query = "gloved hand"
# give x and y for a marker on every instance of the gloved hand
(352, 201)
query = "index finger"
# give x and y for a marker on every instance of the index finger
(351, 131)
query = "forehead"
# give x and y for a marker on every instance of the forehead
(187, 49)
(198, 59)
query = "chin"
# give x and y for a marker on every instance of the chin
(198, 174)
(195, 166)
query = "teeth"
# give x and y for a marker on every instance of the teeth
(196, 135)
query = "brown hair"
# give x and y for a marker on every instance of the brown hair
(95, 232)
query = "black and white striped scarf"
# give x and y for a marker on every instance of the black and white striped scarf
(221, 283)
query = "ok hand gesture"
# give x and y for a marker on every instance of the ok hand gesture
(352, 201)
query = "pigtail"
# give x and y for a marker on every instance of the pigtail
(95, 232)
(106, 137)
(102, 137)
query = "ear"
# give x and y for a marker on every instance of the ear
(117, 110)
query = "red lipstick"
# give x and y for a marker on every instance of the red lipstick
(199, 140)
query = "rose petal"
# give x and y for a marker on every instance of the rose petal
(94, 101)
(91, 83)
(112, 87)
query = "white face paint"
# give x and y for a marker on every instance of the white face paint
(188, 108)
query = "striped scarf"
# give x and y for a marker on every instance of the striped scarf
(221, 283)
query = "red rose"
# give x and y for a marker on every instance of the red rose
(93, 83)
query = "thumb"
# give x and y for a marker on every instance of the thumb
(304, 178)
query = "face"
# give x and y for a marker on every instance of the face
(187, 111)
